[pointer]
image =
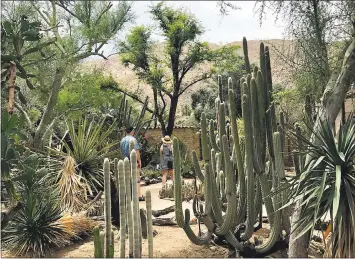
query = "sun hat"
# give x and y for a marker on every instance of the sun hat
(166, 140)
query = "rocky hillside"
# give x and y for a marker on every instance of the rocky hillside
(126, 78)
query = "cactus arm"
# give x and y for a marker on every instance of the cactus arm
(276, 227)
(232, 240)
(249, 168)
(222, 184)
(255, 72)
(177, 184)
(148, 197)
(213, 162)
(265, 189)
(222, 129)
(128, 177)
(204, 240)
(98, 252)
(107, 186)
(197, 167)
(256, 127)
(213, 137)
(220, 88)
(258, 197)
(239, 158)
(204, 139)
(136, 219)
(281, 174)
(261, 110)
(246, 57)
(122, 192)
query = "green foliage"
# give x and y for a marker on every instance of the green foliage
(11, 149)
(327, 184)
(85, 93)
(186, 162)
(89, 145)
(203, 100)
(35, 228)
(21, 39)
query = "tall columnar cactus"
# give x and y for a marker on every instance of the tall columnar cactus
(122, 192)
(135, 205)
(125, 174)
(107, 211)
(149, 223)
(238, 177)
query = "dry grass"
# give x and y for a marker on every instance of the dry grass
(76, 225)
(72, 187)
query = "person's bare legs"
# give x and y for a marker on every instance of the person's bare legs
(165, 173)
(171, 173)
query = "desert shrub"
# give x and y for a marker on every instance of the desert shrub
(187, 169)
(151, 173)
(149, 153)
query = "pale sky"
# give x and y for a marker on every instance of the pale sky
(218, 29)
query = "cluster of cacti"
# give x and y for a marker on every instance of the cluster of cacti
(125, 173)
(239, 178)
(124, 120)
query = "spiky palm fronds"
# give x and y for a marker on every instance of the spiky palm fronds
(327, 185)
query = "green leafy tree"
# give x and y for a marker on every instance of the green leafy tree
(19, 38)
(170, 75)
(81, 29)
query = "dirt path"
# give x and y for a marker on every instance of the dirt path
(171, 241)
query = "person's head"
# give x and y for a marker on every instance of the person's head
(130, 130)
(167, 140)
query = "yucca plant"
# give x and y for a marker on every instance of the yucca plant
(89, 145)
(327, 185)
(35, 228)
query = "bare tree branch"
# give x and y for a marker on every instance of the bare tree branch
(204, 77)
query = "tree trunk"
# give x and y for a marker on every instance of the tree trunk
(47, 115)
(10, 108)
(172, 113)
(332, 100)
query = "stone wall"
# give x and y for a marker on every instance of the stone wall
(188, 135)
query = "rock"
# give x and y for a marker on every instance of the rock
(213, 248)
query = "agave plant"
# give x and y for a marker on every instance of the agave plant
(87, 146)
(35, 228)
(326, 185)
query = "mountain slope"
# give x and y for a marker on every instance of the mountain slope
(127, 79)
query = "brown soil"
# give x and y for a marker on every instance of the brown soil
(171, 241)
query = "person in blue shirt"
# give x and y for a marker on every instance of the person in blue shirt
(124, 146)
